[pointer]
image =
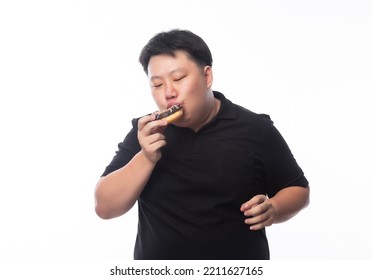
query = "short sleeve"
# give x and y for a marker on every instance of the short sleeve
(281, 166)
(127, 149)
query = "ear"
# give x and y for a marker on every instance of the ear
(208, 74)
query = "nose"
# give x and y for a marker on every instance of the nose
(170, 91)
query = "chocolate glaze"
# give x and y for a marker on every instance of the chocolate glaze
(168, 112)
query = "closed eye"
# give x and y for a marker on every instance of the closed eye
(179, 79)
(157, 85)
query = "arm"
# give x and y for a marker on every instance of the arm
(262, 211)
(280, 168)
(117, 192)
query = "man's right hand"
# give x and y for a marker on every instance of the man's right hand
(151, 137)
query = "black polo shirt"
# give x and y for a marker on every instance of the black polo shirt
(190, 207)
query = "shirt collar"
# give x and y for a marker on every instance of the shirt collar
(227, 109)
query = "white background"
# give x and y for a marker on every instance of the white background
(70, 83)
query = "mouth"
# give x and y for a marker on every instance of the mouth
(170, 111)
(177, 105)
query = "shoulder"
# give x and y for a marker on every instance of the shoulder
(232, 110)
(135, 124)
(249, 114)
(253, 118)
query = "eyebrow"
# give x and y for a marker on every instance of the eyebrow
(170, 73)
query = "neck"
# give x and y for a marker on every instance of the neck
(212, 112)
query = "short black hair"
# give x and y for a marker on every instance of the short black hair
(174, 40)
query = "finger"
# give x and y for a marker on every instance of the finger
(257, 209)
(154, 147)
(255, 219)
(262, 225)
(147, 142)
(153, 127)
(145, 120)
(153, 138)
(160, 127)
(253, 202)
(152, 144)
(259, 222)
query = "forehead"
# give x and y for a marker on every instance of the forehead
(166, 63)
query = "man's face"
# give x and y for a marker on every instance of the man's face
(179, 80)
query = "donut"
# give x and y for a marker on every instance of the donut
(171, 114)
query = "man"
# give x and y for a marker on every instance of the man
(208, 184)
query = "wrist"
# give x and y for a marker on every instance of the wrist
(147, 160)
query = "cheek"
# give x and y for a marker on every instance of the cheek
(192, 91)
(194, 96)
(194, 107)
